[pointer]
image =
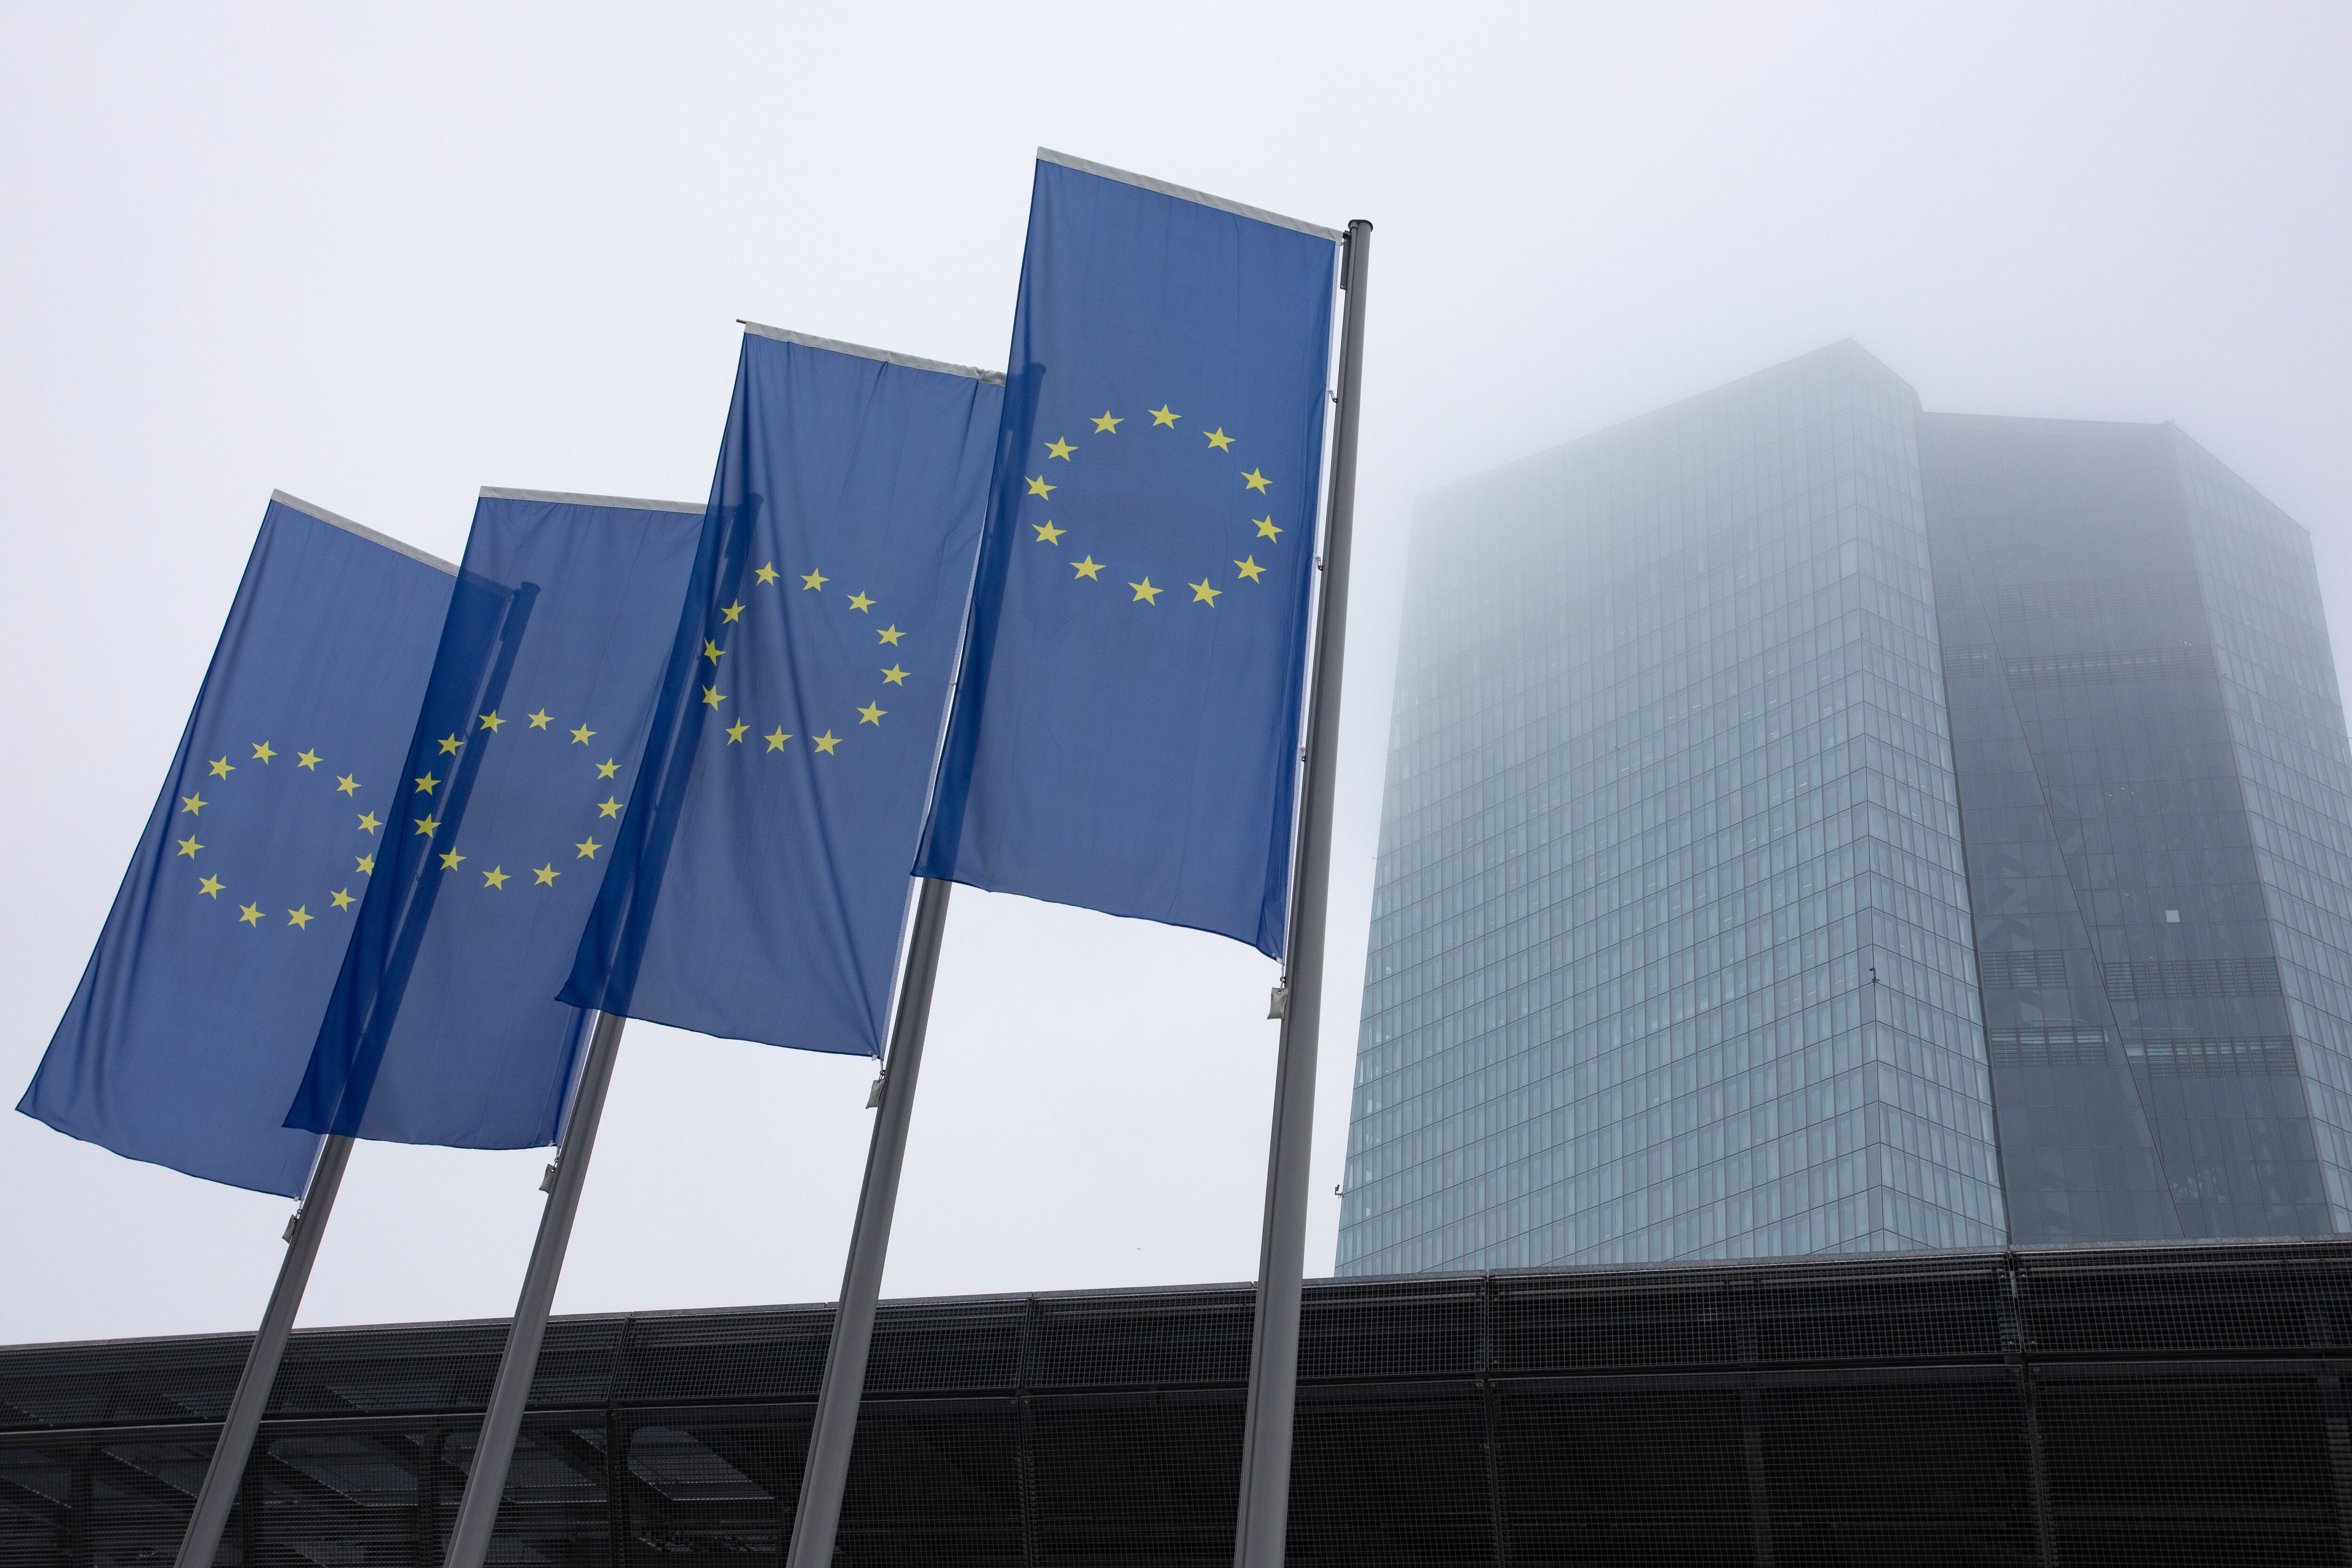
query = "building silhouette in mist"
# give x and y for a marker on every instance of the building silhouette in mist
(1815, 824)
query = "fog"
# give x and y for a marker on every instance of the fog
(379, 259)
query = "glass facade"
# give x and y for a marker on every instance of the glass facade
(2278, 685)
(2135, 1006)
(1670, 953)
(1812, 826)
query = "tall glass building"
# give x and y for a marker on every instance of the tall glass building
(1813, 825)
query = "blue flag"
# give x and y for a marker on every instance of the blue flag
(760, 892)
(195, 1016)
(1125, 734)
(443, 1027)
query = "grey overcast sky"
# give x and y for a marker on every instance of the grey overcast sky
(379, 257)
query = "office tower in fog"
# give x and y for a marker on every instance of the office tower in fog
(1812, 824)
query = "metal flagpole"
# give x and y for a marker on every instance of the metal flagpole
(226, 1474)
(478, 1515)
(1264, 1512)
(816, 1518)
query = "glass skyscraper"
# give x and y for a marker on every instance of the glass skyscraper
(1812, 824)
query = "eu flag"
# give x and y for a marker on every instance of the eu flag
(443, 1026)
(1125, 734)
(197, 1012)
(759, 892)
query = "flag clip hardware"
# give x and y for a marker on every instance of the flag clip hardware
(1279, 1001)
(547, 1182)
(293, 1224)
(874, 1095)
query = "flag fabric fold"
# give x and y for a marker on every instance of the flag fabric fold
(200, 1004)
(759, 892)
(443, 1026)
(1126, 726)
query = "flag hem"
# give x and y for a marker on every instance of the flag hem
(1185, 192)
(320, 513)
(888, 356)
(573, 497)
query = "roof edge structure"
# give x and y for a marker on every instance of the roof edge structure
(1663, 413)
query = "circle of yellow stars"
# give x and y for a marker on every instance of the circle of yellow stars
(1254, 481)
(216, 776)
(342, 899)
(496, 877)
(888, 640)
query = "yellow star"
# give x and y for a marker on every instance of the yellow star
(342, 898)
(826, 743)
(1107, 424)
(425, 824)
(193, 804)
(1038, 487)
(346, 785)
(495, 878)
(711, 650)
(580, 736)
(449, 744)
(587, 847)
(425, 786)
(249, 914)
(1254, 480)
(1047, 533)
(610, 806)
(1061, 449)
(1146, 591)
(546, 875)
(891, 634)
(733, 612)
(1265, 529)
(539, 720)
(1251, 569)
(223, 768)
(1220, 440)
(776, 742)
(189, 846)
(768, 573)
(607, 768)
(1204, 595)
(735, 731)
(1161, 416)
(860, 602)
(449, 860)
(712, 697)
(1089, 567)
(262, 752)
(210, 886)
(895, 676)
(369, 822)
(301, 918)
(367, 865)
(816, 580)
(308, 760)
(491, 721)
(871, 714)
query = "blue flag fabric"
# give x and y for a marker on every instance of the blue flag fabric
(443, 1027)
(197, 1010)
(761, 892)
(1125, 732)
